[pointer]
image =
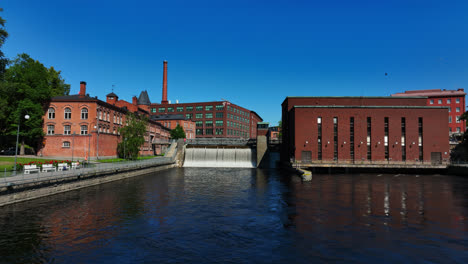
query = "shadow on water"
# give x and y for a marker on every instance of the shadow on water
(218, 215)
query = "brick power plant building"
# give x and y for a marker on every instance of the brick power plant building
(364, 130)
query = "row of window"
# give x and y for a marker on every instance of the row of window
(237, 125)
(103, 115)
(457, 109)
(368, 137)
(218, 123)
(449, 101)
(67, 113)
(187, 108)
(457, 119)
(232, 132)
(209, 131)
(237, 111)
(207, 115)
(83, 130)
(239, 118)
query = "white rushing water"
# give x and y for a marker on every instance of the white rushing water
(219, 157)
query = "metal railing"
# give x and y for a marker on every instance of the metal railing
(299, 163)
(88, 170)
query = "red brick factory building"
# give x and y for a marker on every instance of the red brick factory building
(454, 100)
(79, 126)
(217, 119)
(364, 130)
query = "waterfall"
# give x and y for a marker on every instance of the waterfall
(219, 157)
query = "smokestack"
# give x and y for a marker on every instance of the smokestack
(134, 100)
(164, 92)
(82, 89)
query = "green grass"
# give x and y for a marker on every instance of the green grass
(8, 162)
(120, 160)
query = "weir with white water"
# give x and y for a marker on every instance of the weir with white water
(220, 157)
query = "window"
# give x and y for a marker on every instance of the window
(66, 144)
(209, 108)
(458, 119)
(458, 130)
(439, 101)
(100, 114)
(220, 115)
(84, 130)
(420, 138)
(450, 119)
(50, 129)
(369, 131)
(67, 130)
(51, 113)
(335, 138)
(189, 108)
(153, 110)
(188, 116)
(170, 109)
(114, 118)
(450, 109)
(108, 116)
(219, 107)
(199, 124)
(457, 100)
(209, 131)
(199, 131)
(403, 138)
(199, 108)
(449, 101)
(180, 109)
(219, 131)
(67, 113)
(198, 116)
(84, 113)
(431, 101)
(219, 123)
(209, 115)
(319, 138)
(209, 123)
(161, 109)
(457, 109)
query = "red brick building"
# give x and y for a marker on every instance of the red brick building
(80, 126)
(171, 122)
(454, 100)
(364, 130)
(212, 119)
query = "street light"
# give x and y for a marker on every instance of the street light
(17, 139)
(125, 142)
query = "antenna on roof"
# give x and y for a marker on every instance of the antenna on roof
(113, 87)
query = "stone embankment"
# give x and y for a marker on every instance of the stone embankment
(27, 187)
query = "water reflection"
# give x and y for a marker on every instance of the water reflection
(202, 215)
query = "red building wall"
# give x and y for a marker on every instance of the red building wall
(306, 132)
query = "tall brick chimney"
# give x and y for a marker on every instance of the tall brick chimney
(82, 89)
(164, 91)
(135, 100)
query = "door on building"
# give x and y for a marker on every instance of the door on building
(306, 157)
(436, 158)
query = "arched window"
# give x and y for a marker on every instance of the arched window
(84, 113)
(84, 130)
(51, 113)
(66, 144)
(67, 113)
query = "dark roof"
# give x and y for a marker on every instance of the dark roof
(75, 97)
(144, 98)
(112, 94)
(167, 117)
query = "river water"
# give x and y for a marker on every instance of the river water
(203, 215)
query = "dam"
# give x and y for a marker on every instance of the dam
(220, 157)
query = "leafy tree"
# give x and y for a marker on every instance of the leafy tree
(132, 136)
(460, 152)
(178, 132)
(27, 88)
(3, 36)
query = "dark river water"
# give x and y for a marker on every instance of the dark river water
(201, 215)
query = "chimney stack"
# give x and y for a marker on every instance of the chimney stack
(82, 89)
(164, 92)
(134, 100)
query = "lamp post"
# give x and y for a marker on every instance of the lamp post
(125, 143)
(73, 146)
(17, 139)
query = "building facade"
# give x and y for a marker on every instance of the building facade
(80, 126)
(454, 100)
(171, 122)
(363, 130)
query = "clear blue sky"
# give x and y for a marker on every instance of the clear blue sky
(252, 53)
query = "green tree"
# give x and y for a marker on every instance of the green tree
(3, 36)
(460, 152)
(133, 136)
(27, 88)
(178, 132)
